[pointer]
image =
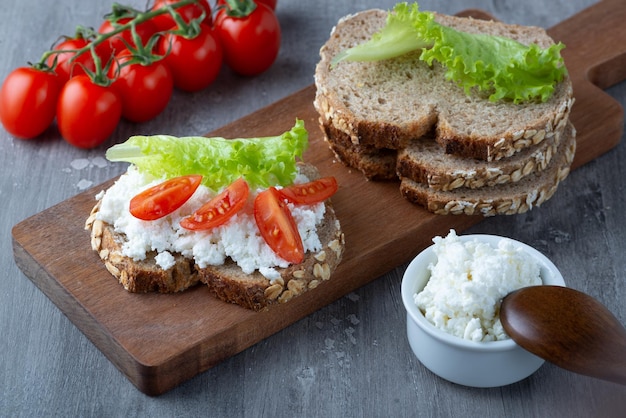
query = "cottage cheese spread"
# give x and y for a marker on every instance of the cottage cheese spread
(467, 283)
(239, 238)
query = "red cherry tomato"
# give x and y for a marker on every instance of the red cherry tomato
(67, 67)
(309, 193)
(145, 90)
(250, 43)
(119, 42)
(195, 62)
(219, 209)
(87, 113)
(164, 198)
(193, 11)
(28, 100)
(277, 226)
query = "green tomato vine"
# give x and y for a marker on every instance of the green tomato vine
(140, 52)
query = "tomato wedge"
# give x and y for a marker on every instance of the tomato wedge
(309, 193)
(219, 209)
(277, 226)
(164, 198)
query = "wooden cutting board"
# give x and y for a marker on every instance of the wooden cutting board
(159, 341)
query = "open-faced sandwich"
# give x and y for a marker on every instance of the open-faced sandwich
(244, 216)
(472, 116)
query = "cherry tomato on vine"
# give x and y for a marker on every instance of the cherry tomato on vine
(315, 191)
(87, 113)
(144, 88)
(119, 42)
(195, 62)
(193, 11)
(28, 100)
(277, 226)
(164, 198)
(250, 43)
(219, 209)
(66, 66)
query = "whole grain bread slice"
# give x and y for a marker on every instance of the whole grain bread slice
(501, 199)
(388, 103)
(424, 161)
(227, 281)
(138, 276)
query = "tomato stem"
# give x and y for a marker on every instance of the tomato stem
(188, 30)
(239, 8)
(99, 75)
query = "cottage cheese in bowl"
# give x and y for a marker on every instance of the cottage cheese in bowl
(452, 292)
(467, 283)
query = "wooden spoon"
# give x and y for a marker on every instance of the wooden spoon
(568, 328)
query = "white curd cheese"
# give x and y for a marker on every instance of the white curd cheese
(238, 239)
(468, 282)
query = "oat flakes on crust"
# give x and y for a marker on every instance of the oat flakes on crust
(506, 199)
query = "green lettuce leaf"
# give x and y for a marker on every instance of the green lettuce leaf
(263, 162)
(498, 66)
(398, 37)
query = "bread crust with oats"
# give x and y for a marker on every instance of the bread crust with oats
(499, 199)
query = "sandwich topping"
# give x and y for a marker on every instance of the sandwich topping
(239, 238)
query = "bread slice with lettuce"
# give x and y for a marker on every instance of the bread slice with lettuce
(484, 89)
(233, 259)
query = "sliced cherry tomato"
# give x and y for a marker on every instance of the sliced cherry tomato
(251, 43)
(309, 193)
(145, 89)
(219, 209)
(68, 66)
(277, 226)
(121, 41)
(87, 113)
(192, 11)
(28, 101)
(164, 198)
(195, 62)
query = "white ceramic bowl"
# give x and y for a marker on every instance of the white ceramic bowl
(475, 364)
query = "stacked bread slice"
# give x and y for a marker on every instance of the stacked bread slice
(453, 153)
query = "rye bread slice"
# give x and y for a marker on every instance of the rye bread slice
(387, 104)
(501, 199)
(424, 161)
(227, 282)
